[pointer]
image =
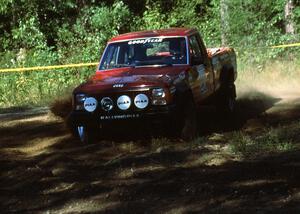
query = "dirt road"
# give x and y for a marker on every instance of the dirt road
(43, 169)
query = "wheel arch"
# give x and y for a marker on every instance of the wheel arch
(227, 75)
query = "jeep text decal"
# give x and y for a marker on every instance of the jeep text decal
(144, 41)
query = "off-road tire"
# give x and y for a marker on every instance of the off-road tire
(185, 120)
(226, 100)
(84, 134)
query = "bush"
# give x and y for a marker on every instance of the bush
(85, 40)
(34, 33)
(76, 43)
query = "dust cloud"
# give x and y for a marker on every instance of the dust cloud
(271, 93)
(276, 79)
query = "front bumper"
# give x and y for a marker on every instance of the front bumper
(157, 113)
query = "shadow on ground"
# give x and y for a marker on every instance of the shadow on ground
(89, 179)
(57, 175)
(252, 105)
(19, 113)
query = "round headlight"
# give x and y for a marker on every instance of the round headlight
(158, 92)
(80, 98)
(124, 102)
(107, 104)
(90, 104)
(141, 101)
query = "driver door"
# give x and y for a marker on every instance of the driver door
(203, 84)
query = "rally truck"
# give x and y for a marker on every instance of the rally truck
(159, 75)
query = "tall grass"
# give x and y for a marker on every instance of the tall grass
(39, 88)
(272, 140)
(277, 77)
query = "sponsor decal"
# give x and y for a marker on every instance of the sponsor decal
(172, 90)
(118, 117)
(215, 61)
(90, 104)
(124, 102)
(182, 75)
(144, 41)
(179, 78)
(141, 101)
(118, 86)
(201, 71)
(202, 77)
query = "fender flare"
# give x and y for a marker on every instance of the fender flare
(227, 75)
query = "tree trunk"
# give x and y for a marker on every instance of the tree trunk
(224, 21)
(288, 12)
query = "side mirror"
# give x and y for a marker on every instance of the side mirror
(196, 60)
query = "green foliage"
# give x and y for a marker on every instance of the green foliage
(37, 88)
(4, 4)
(274, 140)
(92, 29)
(41, 32)
(210, 26)
(182, 13)
(77, 42)
(256, 25)
(153, 17)
(28, 35)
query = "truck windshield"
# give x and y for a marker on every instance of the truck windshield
(145, 52)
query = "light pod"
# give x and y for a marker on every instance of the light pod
(90, 104)
(107, 104)
(124, 102)
(141, 101)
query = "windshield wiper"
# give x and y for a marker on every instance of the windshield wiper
(152, 63)
(123, 65)
(163, 65)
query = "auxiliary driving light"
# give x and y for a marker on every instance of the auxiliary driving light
(90, 104)
(107, 104)
(141, 101)
(124, 102)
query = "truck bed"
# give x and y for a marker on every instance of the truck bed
(220, 58)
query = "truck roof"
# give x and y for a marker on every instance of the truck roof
(154, 33)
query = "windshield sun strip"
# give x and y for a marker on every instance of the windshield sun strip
(142, 38)
(128, 40)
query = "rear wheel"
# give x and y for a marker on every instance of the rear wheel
(227, 100)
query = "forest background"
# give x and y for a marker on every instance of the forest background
(53, 32)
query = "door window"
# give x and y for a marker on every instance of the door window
(195, 50)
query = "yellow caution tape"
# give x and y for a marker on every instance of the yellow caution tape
(285, 46)
(51, 67)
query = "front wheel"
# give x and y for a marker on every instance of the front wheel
(186, 119)
(85, 134)
(190, 122)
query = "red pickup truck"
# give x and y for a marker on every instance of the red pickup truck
(159, 75)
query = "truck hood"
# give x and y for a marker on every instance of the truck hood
(130, 78)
